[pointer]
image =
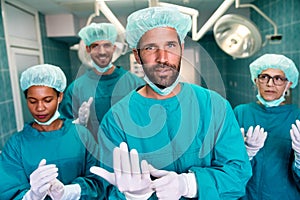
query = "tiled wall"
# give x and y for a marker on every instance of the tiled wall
(235, 73)
(7, 115)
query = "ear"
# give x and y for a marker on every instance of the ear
(87, 48)
(114, 47)
(136, 56)
(60, 97)
(289, 85)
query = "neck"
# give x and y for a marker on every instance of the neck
(55, 125)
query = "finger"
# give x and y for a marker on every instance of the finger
(145, 170)
(43, 170)
(117, 161)
(125, 160)
(161, 182)
(249, 132)
(157, 173)
(45, 181)
(243, 132)
(42, 162)
(292, 134)
(109, 177)
(256, 133)
(90, 101)
(135, 165)
(296, 134)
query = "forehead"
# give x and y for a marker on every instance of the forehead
(159, 35)
(101, 42)
(272, 71)
(37, 90)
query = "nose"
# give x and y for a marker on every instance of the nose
(40, 106)
(270, 82)
(162, 56)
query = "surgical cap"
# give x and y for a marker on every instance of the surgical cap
(141, 21)
(43, 75)
(275, 61)
(96, 32)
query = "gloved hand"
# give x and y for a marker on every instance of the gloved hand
(84, 112)
(169, 185)
(57, 189)
(295, 136)
(255, 140)
(40, 180)
(127, 176)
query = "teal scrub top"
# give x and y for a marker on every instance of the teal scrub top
(68, 148)
(106, 91)
(274, 173)
(195, 131)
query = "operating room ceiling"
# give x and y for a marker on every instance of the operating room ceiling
(82, 9)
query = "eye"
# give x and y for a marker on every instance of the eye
(264, 76)
(48, 100)
(150, 48)
(171, 45)
(278, 78)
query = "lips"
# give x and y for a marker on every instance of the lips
(41, 116)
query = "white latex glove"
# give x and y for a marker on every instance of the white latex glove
(169, 185)
(40, 181)
(255, 140)
(128, 177)
(59, 191)
(84, 112)
(295, 136)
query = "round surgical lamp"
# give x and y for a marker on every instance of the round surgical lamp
(237, 36)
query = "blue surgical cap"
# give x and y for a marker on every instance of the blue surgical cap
(96, 32)
(141, 21)
(275, 61)
(43, 75)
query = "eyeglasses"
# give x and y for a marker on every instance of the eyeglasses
(277, 80)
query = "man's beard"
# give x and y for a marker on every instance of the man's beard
(162, 81)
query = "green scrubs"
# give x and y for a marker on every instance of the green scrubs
(106, 91)
(195, 131)
(274, 173)
(68, 148)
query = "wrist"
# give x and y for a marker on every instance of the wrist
(72, 191)
(191, 185)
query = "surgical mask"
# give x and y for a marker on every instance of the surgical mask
(102, 69)
(52, 119)
(273, 103)
(164, 91)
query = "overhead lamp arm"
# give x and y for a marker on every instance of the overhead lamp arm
(194, 14)
(275, 36)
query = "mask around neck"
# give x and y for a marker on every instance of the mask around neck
(52, 119)
(163, 92)
(102, 69)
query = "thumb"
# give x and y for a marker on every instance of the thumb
(109, 177)
(42, 162)
(90, 101)
(156, 172)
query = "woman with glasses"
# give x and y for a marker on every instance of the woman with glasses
(273, 146)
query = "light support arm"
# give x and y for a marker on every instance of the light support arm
(238, 5)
